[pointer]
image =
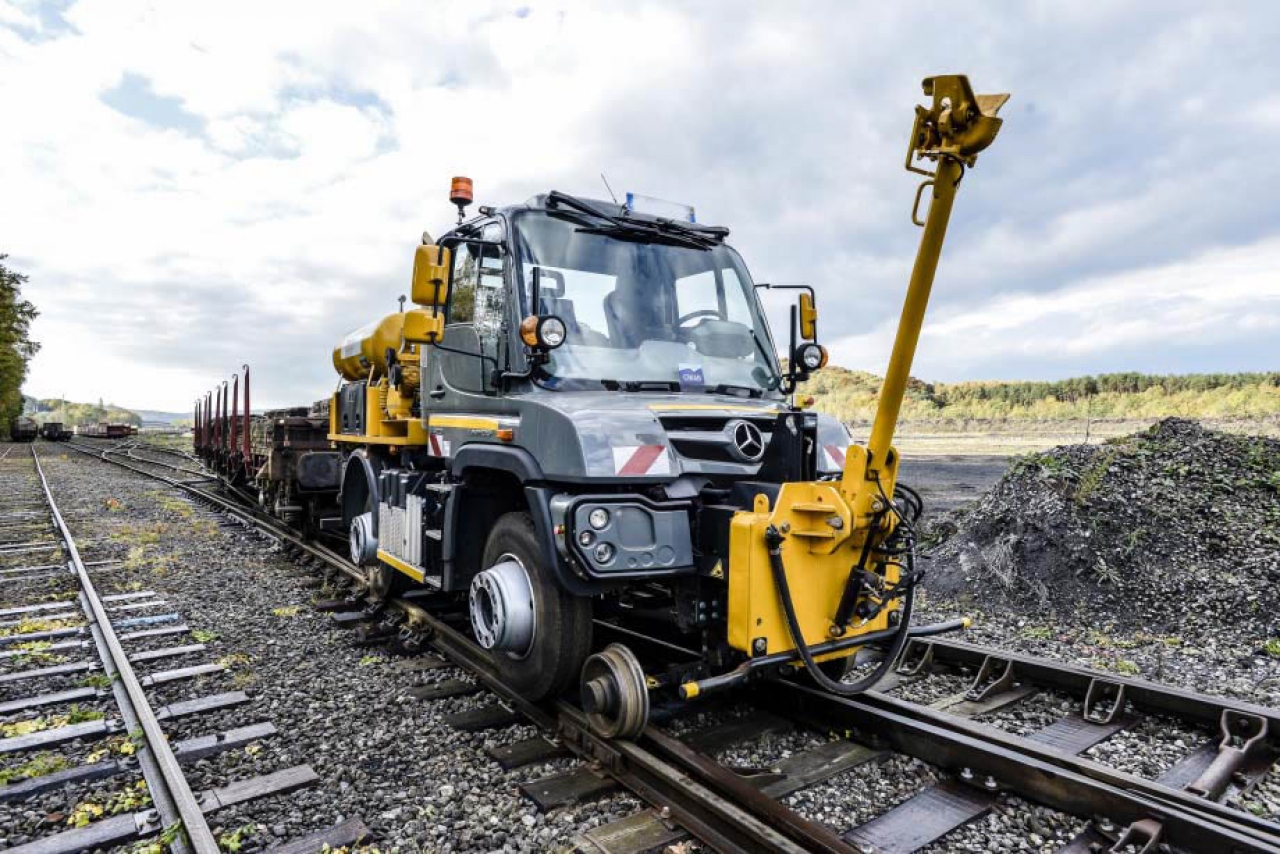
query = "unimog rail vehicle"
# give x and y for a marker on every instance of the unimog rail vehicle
(582, 440)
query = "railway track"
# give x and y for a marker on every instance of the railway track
(84, 726)
(974, 762)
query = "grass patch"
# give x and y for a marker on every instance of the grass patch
(173, 505)
(29, 625)
(141, 557)
(1272, 647)
(119, 746)
(139, 535)
(287, 611)
(74, 715)
(1093, 476)
(37, 766)
(203, 635)
(129, 799)
(233, 840)
(101, 681)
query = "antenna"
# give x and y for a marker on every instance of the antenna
(401, 299)
(607, 187)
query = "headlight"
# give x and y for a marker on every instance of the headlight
(812, 356)
(599, 518)
(551, 332)
(546, 333)
(604, 553)
(586, 538)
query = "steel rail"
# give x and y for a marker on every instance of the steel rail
(1072, 679)
(703, 807)
(716, 813)
(166, 782)
(130, 450)
(1008, 765)
(968, 732)
(1146, 696)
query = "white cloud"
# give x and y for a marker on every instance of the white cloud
(1219, 298)
(323, 139)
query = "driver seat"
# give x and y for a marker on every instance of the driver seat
(633, 319)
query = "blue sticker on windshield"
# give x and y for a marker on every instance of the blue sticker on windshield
(691, 375)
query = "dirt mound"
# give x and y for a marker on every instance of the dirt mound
(1174, 526)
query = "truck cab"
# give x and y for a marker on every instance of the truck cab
(587, 362)
(581, 444)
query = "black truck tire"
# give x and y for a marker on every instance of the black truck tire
(562, 631)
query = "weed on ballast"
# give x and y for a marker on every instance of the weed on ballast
(37, 766)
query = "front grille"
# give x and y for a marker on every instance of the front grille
(704, 438)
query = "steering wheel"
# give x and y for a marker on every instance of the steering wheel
(699, 313)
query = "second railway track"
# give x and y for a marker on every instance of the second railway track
(974, 763)
(95, 737)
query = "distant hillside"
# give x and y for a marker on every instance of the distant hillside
(72, 414)
(157, 415)
(852, 395)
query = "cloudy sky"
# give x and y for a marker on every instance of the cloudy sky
(194, 186)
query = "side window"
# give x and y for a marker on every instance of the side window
(466, 274)
(478, 308)
(489, 313)
(478, 284)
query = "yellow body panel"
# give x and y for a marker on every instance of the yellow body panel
(402, 430)
(465, 422)
(820, 548)
(396, 563)
(363, 350)
(710, 407)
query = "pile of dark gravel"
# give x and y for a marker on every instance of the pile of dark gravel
(1175, 527)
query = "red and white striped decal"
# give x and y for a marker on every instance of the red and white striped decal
(635, 460)
(835, 456)
(439, 446)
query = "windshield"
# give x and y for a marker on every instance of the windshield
(645, 312)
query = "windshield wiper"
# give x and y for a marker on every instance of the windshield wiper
(628, 232)
(701, 238)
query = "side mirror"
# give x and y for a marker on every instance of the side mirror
(808, 317)
(424, 326)
(431, 266)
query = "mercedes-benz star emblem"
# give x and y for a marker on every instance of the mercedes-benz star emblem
(745, 441)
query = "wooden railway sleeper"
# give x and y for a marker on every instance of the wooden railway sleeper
(1244, 741)
(1103, 691)
(995, 676)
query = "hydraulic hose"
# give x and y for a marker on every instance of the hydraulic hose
(774, 539)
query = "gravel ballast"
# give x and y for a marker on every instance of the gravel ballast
(343, 710)
(420, 785)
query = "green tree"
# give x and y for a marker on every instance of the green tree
(16, 347)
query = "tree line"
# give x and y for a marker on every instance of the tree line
(16, 346)
(852, 396)
(73, 414)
